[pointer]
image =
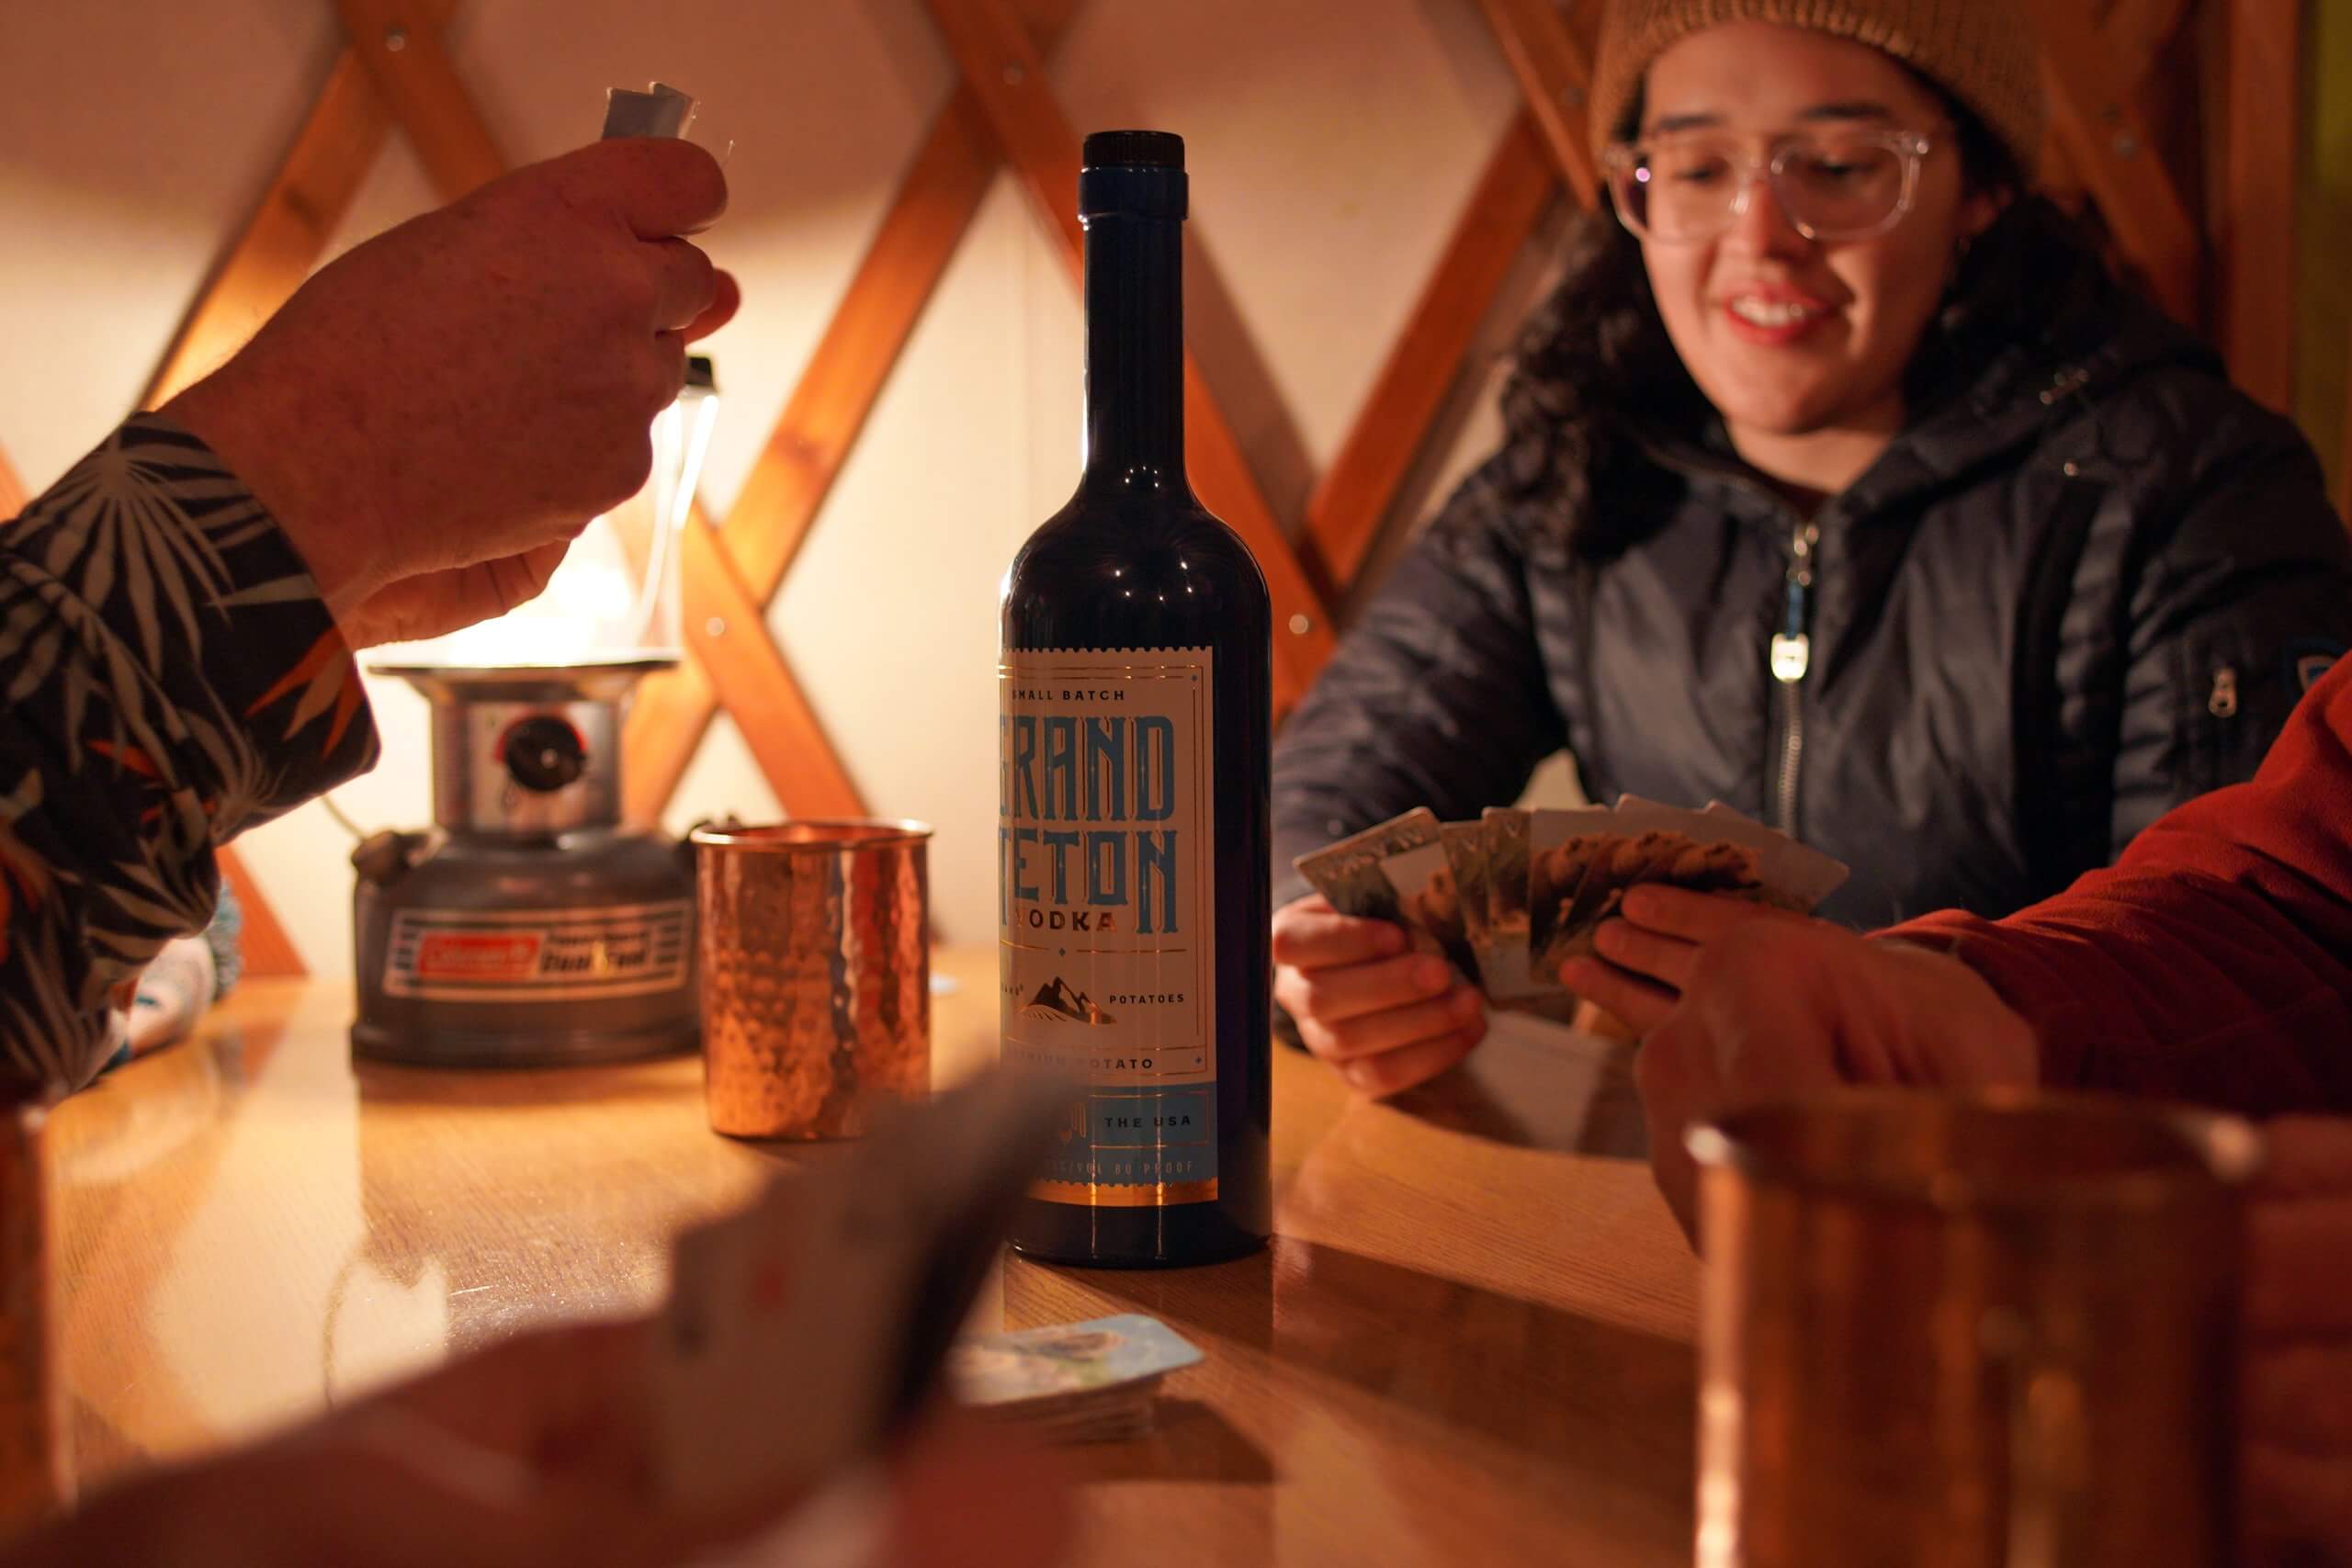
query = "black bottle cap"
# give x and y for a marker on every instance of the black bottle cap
(699, 374)
(1132, 174)
(1135, 148)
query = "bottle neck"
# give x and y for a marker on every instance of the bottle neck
(1134, 354)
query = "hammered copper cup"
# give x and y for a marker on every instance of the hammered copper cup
(1952, 1332)
(816, 974)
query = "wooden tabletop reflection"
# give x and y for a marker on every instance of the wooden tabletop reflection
(1469, 1343)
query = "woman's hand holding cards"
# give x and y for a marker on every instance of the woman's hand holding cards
(1385, 1017)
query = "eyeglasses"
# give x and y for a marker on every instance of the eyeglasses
(1845, 185)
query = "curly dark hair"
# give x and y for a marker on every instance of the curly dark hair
(1595, 359)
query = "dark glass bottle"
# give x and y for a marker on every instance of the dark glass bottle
(1135, 723)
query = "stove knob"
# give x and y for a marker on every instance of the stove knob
(544, 753)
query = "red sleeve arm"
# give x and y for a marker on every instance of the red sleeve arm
(2213, 962)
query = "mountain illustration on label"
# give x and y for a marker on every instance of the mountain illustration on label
(1055, 999)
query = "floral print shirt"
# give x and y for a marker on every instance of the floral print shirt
(170, 678)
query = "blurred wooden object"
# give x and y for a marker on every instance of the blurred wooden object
(12, 490)
(2106, 140)
(399, 41)
(1554, 70)
(36, 1464)
(1470, 1341)
(2261, 180)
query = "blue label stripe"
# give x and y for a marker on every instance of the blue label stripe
(1140, 1138)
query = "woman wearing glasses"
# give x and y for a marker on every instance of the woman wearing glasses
(1843, 484)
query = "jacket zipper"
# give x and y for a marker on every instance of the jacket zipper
(1791, 657)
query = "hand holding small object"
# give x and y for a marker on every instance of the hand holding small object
(433, 417)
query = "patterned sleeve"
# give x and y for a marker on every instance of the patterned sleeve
(171, 678)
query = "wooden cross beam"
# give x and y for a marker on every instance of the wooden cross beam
(283, 240)
(1555, 71)
(399, 41)
(2261, 180)
(2108, 141)
(2135, 31)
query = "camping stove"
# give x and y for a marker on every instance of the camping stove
(527, 929)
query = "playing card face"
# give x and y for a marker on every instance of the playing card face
(1507, 848)
(1716, 866)
(1609, 867)
(1348, 872)
(1466, 852)
(1794, 876)
(1561, 846)
(803, 1328)
(1053, 1363)
(1430, 903)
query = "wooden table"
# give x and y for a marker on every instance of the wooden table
(1469, 1344)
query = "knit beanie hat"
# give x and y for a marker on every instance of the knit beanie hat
(1981, 51)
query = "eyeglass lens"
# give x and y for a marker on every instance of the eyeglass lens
(1831, 189)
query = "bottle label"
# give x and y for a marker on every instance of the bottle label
(1106, 904)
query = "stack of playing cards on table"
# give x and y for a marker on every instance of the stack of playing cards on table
(1511, 898)
(1083, 1382)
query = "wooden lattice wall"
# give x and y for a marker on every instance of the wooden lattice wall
(2174, 119)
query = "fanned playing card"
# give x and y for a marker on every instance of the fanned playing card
(1798, 876)
(1563, 848)
(1348, 872)
(1466, 852)
(1507, 848)
(1428, 902)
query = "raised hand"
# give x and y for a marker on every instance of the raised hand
(469, 389)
